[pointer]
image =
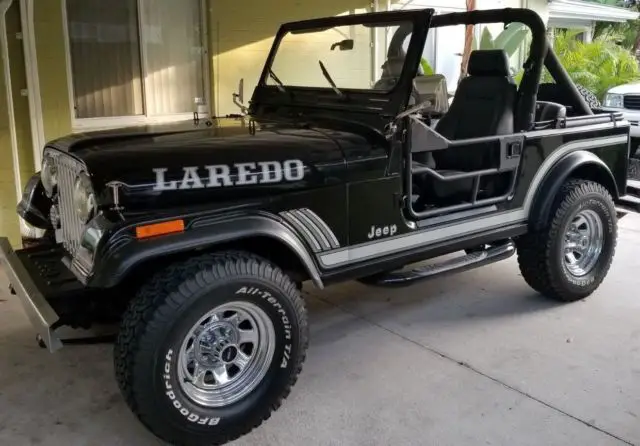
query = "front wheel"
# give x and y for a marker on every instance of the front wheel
(570, 257)
(210, 347)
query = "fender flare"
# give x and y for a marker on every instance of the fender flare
(123, 253)
(559, 174)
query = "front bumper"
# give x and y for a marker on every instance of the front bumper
(42, 316)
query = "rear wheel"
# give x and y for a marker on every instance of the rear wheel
(569, 259)
(211, 347)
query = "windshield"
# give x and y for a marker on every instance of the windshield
(339, 58)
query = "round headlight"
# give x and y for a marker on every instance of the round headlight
(49, 176)
(84, 200)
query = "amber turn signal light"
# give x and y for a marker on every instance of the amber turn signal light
(167, 227)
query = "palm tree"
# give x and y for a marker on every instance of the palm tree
(598, 66)
(628, 34)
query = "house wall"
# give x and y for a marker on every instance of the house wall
(22, 161)
(55, 103)
(238, 45)
(52, 68)
(240, 41)
(8, 226)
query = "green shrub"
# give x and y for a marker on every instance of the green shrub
(598, 66)
(510, 39)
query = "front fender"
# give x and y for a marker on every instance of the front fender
(579, 164)
(120, 255)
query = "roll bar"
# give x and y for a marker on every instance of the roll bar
(540, 55)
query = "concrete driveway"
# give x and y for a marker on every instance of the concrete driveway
(472, 359)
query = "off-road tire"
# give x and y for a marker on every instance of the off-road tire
(589, 97)
(540, 254)
(157, 320)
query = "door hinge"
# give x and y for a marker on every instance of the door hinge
(514, 150)
(19, 36)
(24, 92)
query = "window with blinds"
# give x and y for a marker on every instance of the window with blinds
(136, 57)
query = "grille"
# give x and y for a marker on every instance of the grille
(70, 224)
(632, 101)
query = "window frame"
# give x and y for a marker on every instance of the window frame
(89, 124)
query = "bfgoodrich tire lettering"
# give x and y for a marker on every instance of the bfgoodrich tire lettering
(154, 328)
(541, 254)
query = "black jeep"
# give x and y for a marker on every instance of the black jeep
(197, 240)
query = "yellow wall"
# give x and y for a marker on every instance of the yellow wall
(8, 222)
(55, 103)
(9, 225)
(241, 39)
(52, 68)
(20, 102)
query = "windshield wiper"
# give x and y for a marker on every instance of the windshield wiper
(278, 82)
(327, 76)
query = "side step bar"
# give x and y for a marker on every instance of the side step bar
(629, 203)
(456, 265)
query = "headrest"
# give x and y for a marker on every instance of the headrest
(433, 89)
(393, 67)
(489, 63)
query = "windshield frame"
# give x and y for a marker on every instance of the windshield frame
(390, 100)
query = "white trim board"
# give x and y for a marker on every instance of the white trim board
(90, 124)
(33, 80)
(579, 10)
(13, 137)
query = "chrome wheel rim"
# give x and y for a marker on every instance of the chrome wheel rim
(583, 242)
(226, 354)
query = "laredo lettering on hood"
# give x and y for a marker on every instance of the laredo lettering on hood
(219, 175)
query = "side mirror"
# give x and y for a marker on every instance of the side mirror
(238, 98)
(344, 45)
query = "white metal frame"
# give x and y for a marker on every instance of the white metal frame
(13, 137)
(88, 124)
(25, 230)
(33, 80)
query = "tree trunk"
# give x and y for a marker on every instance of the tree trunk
(468, 42)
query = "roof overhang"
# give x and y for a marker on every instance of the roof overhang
(580, 10)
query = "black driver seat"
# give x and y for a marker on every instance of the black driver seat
(483, 105)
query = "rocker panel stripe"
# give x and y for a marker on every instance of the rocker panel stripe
(428, 236)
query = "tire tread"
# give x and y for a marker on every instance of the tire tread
(158, 300)
(534, 249)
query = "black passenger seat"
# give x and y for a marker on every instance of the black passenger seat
(483, 105)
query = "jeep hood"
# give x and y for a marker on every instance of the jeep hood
(165, 166)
